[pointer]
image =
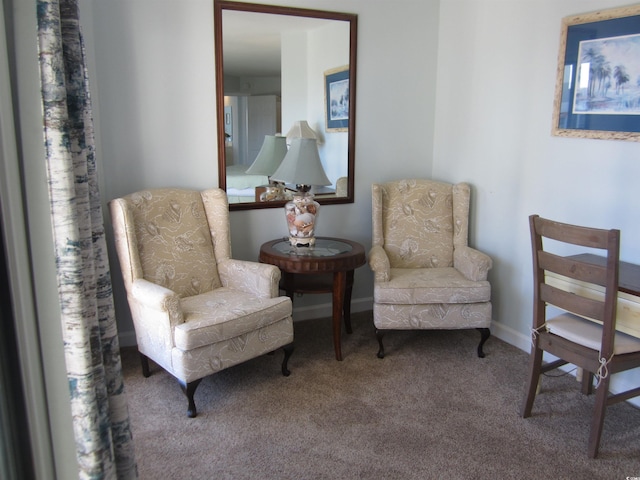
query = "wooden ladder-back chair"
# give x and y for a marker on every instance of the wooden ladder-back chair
(584, 334)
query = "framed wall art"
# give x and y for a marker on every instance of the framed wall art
(336, 99)
(598, 80)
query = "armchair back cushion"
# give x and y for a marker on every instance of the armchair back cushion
(174, 246)
(420, 222)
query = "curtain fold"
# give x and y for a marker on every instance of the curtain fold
(104, 442)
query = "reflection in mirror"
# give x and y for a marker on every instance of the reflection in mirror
(288, 72)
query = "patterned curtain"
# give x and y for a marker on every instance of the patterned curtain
(104, 443)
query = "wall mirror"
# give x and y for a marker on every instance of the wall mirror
(284, 72)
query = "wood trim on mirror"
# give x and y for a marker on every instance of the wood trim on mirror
(219, 7)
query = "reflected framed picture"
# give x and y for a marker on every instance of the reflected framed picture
(598, 79)
(336, 99)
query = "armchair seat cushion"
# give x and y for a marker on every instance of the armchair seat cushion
(225, 313)
(411, 286)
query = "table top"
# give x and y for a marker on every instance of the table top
(327, 255)
(628, 277)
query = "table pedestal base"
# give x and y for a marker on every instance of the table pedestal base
(339, 284)
(327, 267)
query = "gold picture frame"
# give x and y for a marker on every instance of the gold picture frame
(597, 93)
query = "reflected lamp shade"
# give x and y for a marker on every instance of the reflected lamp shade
(269, 158)
(301, 165)
(301, 129)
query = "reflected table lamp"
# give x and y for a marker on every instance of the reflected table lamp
(269, 158)
(302, 167)
(301, 129)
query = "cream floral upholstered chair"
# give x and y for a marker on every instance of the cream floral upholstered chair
(195, 310)
(425, 275)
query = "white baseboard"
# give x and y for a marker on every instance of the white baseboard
(511, 336)
(324, 310)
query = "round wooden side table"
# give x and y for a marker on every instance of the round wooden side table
(326, 267)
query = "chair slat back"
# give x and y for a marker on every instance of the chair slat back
(571, 302)
(570, 267)
(544, 262)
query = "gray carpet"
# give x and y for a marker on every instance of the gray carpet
(430, 409)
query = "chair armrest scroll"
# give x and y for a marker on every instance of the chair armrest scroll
(472, 263)
(379, 263)
(260, 279)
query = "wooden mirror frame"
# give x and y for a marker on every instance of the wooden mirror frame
(218, 7)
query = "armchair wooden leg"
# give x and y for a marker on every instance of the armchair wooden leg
(189, 390)
(144, 361)
(288, 350)
(379, 335)
(485, 333)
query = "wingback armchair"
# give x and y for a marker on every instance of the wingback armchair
(425, 274)
(195, 310)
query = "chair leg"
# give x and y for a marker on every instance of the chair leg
(346, 306)
(379, 335)
(485, 333)
(189, 389)
(288, 350)
(602, 392)
(535, 369)
(144, 361)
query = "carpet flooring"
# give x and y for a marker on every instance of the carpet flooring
(430, 409)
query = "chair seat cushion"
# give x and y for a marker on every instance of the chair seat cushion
(225, 313)
(589, 334)
(430, 285)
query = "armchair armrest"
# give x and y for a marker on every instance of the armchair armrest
(379, 263)
(156, 311)
(156, 297)
(260, 279)
(150, 293)
(472, 263)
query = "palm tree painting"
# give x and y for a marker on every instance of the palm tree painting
(608, 77)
